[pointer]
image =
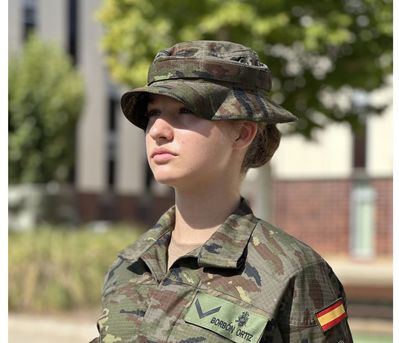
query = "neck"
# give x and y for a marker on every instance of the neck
(200, 213)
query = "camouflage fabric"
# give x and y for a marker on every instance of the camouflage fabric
(216, 80)
(250, 282)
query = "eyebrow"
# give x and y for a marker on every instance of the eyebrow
(152, 107)
(157, 107)
(150, 102)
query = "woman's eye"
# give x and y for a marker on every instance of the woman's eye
(185, 110)
(152, 113)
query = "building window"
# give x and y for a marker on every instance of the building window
(111, 173)
(112, 142)
(359, 148)
(29, 17)
(72, 29)
(363, 219)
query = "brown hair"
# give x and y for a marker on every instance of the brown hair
(262, 148)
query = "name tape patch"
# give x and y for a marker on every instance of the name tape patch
(332, 315)
(226, 318)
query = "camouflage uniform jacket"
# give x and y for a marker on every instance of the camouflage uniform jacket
(250, 282)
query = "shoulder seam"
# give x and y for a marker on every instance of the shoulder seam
(297, 271)
(317, 258)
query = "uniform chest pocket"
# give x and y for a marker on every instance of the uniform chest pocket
(225, 318)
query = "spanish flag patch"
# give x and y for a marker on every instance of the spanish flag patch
(331, 315)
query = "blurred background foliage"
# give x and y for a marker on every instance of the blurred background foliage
(318, 51)
(57, 270)
(45, 99)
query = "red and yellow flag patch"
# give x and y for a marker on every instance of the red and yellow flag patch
(332, 315)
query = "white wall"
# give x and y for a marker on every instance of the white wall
(52, 19)
(91, 152)
(131, 158)
(14, 26)
(380, 146)
(329, 156)
(380, 138)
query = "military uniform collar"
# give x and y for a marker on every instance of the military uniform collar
(226, 246)
(164, 225)
(222, 250)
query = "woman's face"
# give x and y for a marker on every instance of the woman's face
(184, 150)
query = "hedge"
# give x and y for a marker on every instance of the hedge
(58, 269)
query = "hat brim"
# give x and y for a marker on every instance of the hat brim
(209, 100)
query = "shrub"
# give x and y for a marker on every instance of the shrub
(61, 269)
(45, 98)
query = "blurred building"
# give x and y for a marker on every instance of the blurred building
(334, 193)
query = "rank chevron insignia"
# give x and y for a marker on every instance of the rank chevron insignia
(202, 314)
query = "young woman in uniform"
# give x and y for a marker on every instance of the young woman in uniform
(209, 270)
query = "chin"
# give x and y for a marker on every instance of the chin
(165, 178)
(165, 181)
(172, 179)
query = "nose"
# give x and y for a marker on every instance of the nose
(160, 129)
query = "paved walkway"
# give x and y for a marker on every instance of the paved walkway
(75, 328)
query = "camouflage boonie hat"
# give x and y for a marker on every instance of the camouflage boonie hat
(216, 80)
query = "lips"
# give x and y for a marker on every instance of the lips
(162, 151)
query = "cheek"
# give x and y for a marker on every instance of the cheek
(192, 152)
(210, 151)
(147, 146)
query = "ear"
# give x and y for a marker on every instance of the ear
(246, 132)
